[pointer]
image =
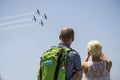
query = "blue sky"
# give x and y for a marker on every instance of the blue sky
(22, 44)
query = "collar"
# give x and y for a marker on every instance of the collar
(63, 45)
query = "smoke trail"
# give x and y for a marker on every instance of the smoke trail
(17, 16)
(15, 21)
(15, 27)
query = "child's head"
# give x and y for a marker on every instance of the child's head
(94, 47)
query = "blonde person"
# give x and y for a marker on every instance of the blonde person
(99, 67)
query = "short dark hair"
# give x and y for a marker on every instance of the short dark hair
(66, 34)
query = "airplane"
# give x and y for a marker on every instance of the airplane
(34, 18)
(45, 16)
(38, 12)
(41, 23)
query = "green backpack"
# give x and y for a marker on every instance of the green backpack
(53, 63)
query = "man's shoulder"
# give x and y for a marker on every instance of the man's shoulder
(74, 54)
(73, 51)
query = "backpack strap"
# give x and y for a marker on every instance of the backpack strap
(40, 72)
(58, 61)
(58, 64)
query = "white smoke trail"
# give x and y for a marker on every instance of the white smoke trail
(17, 16)
(15, 21)
(15, 27)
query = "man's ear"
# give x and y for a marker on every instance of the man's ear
(73, 38)
(60, 37)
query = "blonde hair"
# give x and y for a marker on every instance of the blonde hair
(94, 47)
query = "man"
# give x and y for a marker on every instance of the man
(100, 66)
(73, 66)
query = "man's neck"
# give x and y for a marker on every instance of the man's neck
(67, 44)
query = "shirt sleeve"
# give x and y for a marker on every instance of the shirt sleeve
(76, 60)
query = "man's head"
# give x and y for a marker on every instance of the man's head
(94, 48)
(67, 35)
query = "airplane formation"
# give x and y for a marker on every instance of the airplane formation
(37, 19)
